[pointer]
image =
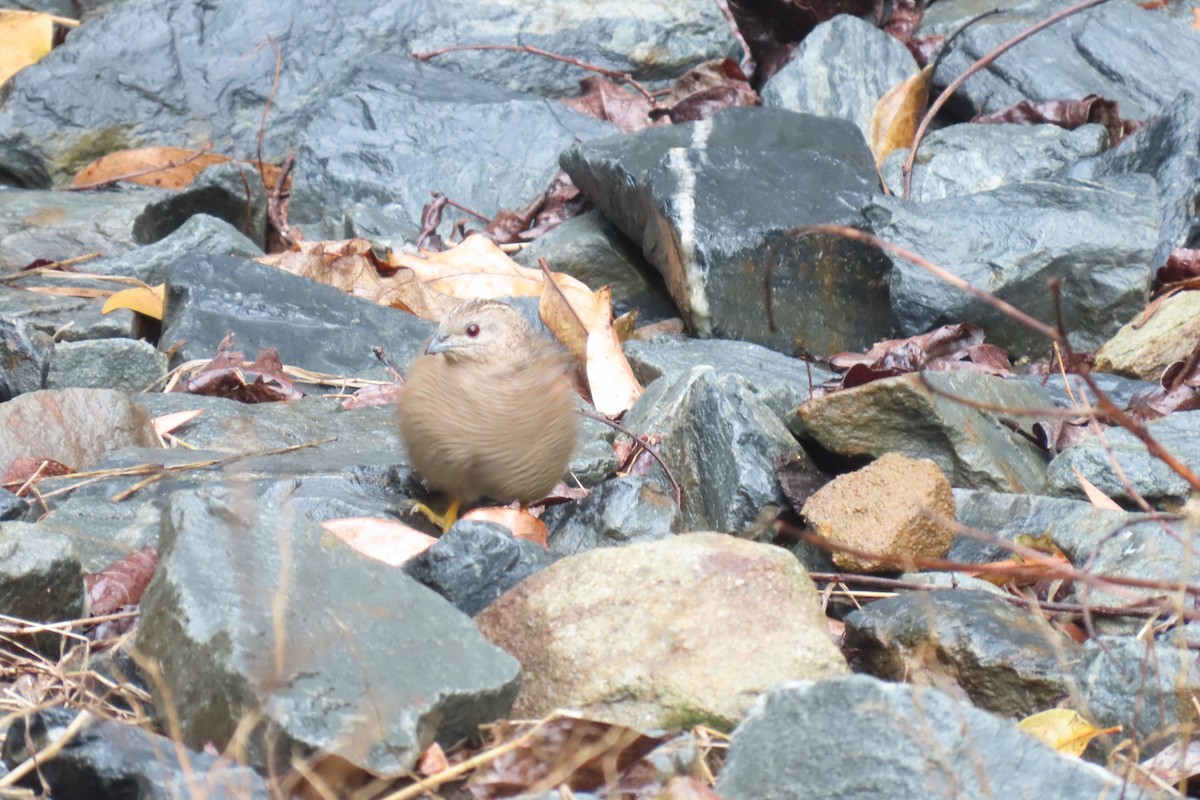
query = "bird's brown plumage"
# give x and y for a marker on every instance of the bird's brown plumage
(488, 409)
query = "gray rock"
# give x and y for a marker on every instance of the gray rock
(1115, 50)
(642, 635)
(1143, 686)
(372, 144)
(107, 760)
(1168, 148)
(721, 443)
(1097, 238)
(809, 740)
(313, 325)
(473, 563)
(25, 352)
(238, 582)
(964, 159)
(121, 364)
(589, 248)
(972, 447)
(841, 69)
(780, 382)
(1006, 659)
(200, 234)
(75, 427)
(101, 531)
(1150, 476)
(62, 225)
(618, 512)
(41, 580)
(710, 201)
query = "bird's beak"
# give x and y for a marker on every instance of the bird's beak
(438, 344)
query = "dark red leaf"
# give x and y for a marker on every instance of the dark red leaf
(122, 582)
(1069, 114)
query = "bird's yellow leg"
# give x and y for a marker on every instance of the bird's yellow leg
(443, 521)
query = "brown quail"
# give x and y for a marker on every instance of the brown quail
(488, 408)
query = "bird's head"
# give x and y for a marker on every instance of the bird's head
(481, 330)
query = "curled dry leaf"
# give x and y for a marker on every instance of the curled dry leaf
(897, 114)
(122, 582)
(149, 301)
(604, 99)
(1063, 729)
(227, 375)
(384, 540)
(522, 524)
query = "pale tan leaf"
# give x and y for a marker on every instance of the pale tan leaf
(610, 378)
(169, 422)
(1063, 729)
(897, 114)
(384, 540)
(1096, 497)
(25, 37)
(146, 300)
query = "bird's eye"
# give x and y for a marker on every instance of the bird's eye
(472, 330)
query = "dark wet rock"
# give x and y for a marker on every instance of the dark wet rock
(75, 427)
(641, 635)
(313, 325)
(66, 319)
(809, 740)
(200, 234)
(589, 248)
(841, 69)
(710, 201)
(965, 159)
(1178, 434)
(372, 143)
(57, 226)
(1097, 238)
(894, 508)
(109, 760)
(721, 443)
(971, 446)
(1115, 50)
(780, 382)
(1004, 658)
(618, 512)
(41, 580)
(121, 364)
(101, 531)
(473, 563)
(1143, 686)
(235, 575)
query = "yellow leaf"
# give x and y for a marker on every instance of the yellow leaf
(145, 300)
(1063, 729)
(897, 114)
(25, 36)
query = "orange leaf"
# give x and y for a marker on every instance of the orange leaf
(384, 540)
(897, 114)
(145, 300)
(169, 422)
(610, 378)
(164, 167)
(522, 524)
(1096, 497)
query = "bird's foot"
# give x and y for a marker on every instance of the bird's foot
(443, 521)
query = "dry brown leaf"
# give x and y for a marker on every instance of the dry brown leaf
(25, 37)
(1063, 729)
(894, 122)
(30, 469)
(1096, 497)
(148, 301)
(379, 395)
(384, 540)
(522, 524)
(164, 167)
(122, 582)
